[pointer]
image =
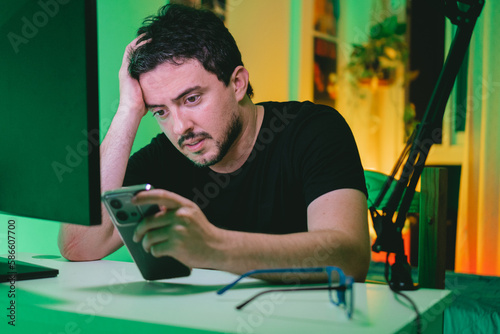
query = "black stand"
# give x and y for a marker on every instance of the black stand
(462, 13)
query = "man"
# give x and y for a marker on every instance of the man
(241, 186)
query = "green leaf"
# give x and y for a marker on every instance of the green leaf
(390, 24)
(400, 29)
(376, 32)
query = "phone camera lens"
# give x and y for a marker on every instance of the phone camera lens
(122, 216)
(116, 203)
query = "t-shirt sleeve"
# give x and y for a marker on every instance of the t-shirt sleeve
(326, 154)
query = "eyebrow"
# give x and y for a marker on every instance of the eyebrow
(151, 106)
(184, 93)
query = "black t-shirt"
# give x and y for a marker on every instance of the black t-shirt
(303, 151)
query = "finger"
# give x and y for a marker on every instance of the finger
(141, 40)
(136, 43)
(160, 219)
(161, 249)
(154, 237)
(168, 199)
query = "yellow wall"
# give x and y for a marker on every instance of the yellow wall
(261, 30)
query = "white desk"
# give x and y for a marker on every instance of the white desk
(112, 297)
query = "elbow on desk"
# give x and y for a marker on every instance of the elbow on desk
(76, 254)
(73, 249)
(361, 271)
(358, 264)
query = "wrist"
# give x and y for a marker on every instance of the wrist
(121, 134)
(131, 112)
(220, 250)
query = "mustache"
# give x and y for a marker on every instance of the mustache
(192, 135)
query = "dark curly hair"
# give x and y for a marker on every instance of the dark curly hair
(178, 33)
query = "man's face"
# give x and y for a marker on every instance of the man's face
(195, 110)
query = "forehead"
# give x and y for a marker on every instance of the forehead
(181, 72)
(168, 81)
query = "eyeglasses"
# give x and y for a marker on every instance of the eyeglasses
(343, 298)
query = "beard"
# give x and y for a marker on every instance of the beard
(232, 132)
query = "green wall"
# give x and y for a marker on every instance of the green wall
(117, 26)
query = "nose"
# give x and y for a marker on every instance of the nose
(182, 123)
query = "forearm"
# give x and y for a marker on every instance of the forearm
(337, 237)
(116, 147)
(83, 243)
(241, 252)
(80, 243)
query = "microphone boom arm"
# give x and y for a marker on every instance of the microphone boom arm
(462, 13)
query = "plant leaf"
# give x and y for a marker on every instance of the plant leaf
(400, 29)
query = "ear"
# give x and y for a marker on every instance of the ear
(239, 81)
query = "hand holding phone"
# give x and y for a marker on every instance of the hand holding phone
(125, 217)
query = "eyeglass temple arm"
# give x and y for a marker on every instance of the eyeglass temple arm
(287, 270)
(229, 286)
(240, 306)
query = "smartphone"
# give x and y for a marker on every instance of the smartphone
(125, 217)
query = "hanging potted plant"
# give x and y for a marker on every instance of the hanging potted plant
(375, 62)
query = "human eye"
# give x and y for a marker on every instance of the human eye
(192, 99)
(161, 113)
